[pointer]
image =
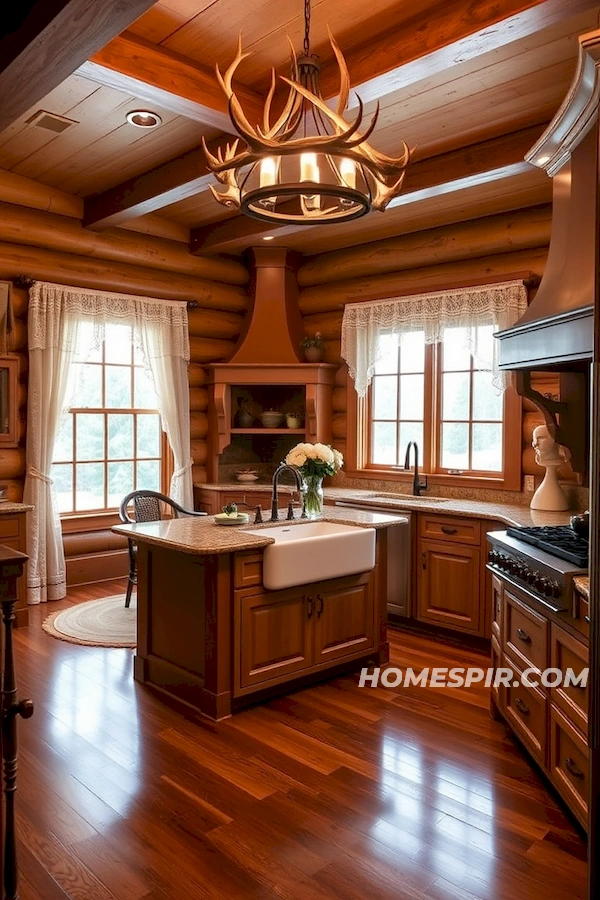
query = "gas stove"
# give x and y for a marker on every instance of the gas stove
(540, 561)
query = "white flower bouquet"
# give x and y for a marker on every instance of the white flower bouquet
(315, 460)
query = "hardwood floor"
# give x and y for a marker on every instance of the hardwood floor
(333, 792)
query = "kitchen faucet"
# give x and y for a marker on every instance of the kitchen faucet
(278, 471)
(418, 485)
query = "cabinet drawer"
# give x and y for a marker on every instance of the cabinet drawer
(526, 709)
(463, 531)
(525, 634)
(569, 764)
(9, 526)
(569, 653)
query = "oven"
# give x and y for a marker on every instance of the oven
(540, 561)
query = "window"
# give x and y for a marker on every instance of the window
(110, 442)
(437, 396)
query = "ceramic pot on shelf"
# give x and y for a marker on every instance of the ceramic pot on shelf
(313, 354)
(293, 421)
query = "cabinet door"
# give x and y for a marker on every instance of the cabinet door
(273, 637)
(449, 586)
(344, 620)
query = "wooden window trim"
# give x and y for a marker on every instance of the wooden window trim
(97, 519)
(357, 448)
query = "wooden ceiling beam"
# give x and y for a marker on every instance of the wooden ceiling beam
(451, 36)
(179, 178)
(480, 163)
(167, 80)
(453, 33)
(48, 40)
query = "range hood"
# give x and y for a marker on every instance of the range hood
(557, 327)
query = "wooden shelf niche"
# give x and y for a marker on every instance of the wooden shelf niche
(305, 387)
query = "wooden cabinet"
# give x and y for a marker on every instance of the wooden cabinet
(12, 534)
(453, 587)
(449, 585)
(280, 635)
(276, 636)
(344, 622)
(212, 501)
(551, 720)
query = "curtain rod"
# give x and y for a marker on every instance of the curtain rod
(25, 282)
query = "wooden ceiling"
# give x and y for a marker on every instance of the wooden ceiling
(470, 86)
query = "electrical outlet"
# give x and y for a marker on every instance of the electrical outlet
(529, 483)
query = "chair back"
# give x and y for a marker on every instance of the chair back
(149, 506)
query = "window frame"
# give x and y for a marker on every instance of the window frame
(97, 518)
(359, 437)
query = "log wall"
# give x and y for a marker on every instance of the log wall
(41, 235)
(510, 245)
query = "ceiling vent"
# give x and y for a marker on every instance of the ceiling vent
(50, 121)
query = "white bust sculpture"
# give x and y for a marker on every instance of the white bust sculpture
(551, 455)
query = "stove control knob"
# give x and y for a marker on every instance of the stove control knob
(540, 583)
(532, 576)
(556, 589)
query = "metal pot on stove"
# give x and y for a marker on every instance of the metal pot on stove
(581, 525)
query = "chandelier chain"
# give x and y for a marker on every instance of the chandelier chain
(307, 27)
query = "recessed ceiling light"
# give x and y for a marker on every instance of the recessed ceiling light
(269, 237)
(144, 118)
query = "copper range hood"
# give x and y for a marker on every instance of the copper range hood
(557, 328)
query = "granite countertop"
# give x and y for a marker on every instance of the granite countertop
(508, 513)
(9, 506)
(202, 537)
(582, 584)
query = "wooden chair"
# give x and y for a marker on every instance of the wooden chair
(148, 506)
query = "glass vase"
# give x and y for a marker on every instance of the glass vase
(313, 496)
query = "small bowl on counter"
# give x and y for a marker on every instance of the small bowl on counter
(271, 418)
(246, 477)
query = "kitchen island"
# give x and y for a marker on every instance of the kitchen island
(211, 635)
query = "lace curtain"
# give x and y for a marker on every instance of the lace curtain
(65, 324)
(499, 305)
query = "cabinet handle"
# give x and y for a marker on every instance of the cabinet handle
(523, 636)
(447, 530)
(424, 559)
(311, 606)
(572, 767)
(587, 619)
(522, 707)
(321, 605)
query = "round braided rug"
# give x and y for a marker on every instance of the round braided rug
(97, 623)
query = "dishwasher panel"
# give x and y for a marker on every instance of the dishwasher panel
(399, 557)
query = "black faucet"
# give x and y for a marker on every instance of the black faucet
(418, 485)
(278, 471)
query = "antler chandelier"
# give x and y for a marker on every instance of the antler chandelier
(310, 165)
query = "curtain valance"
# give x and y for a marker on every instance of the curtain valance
(499, 305)
(55, 308)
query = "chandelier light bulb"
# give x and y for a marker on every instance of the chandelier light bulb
(309, 170)
(268, 171)
(348, 172)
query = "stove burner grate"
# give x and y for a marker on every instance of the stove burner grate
(560, 540)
